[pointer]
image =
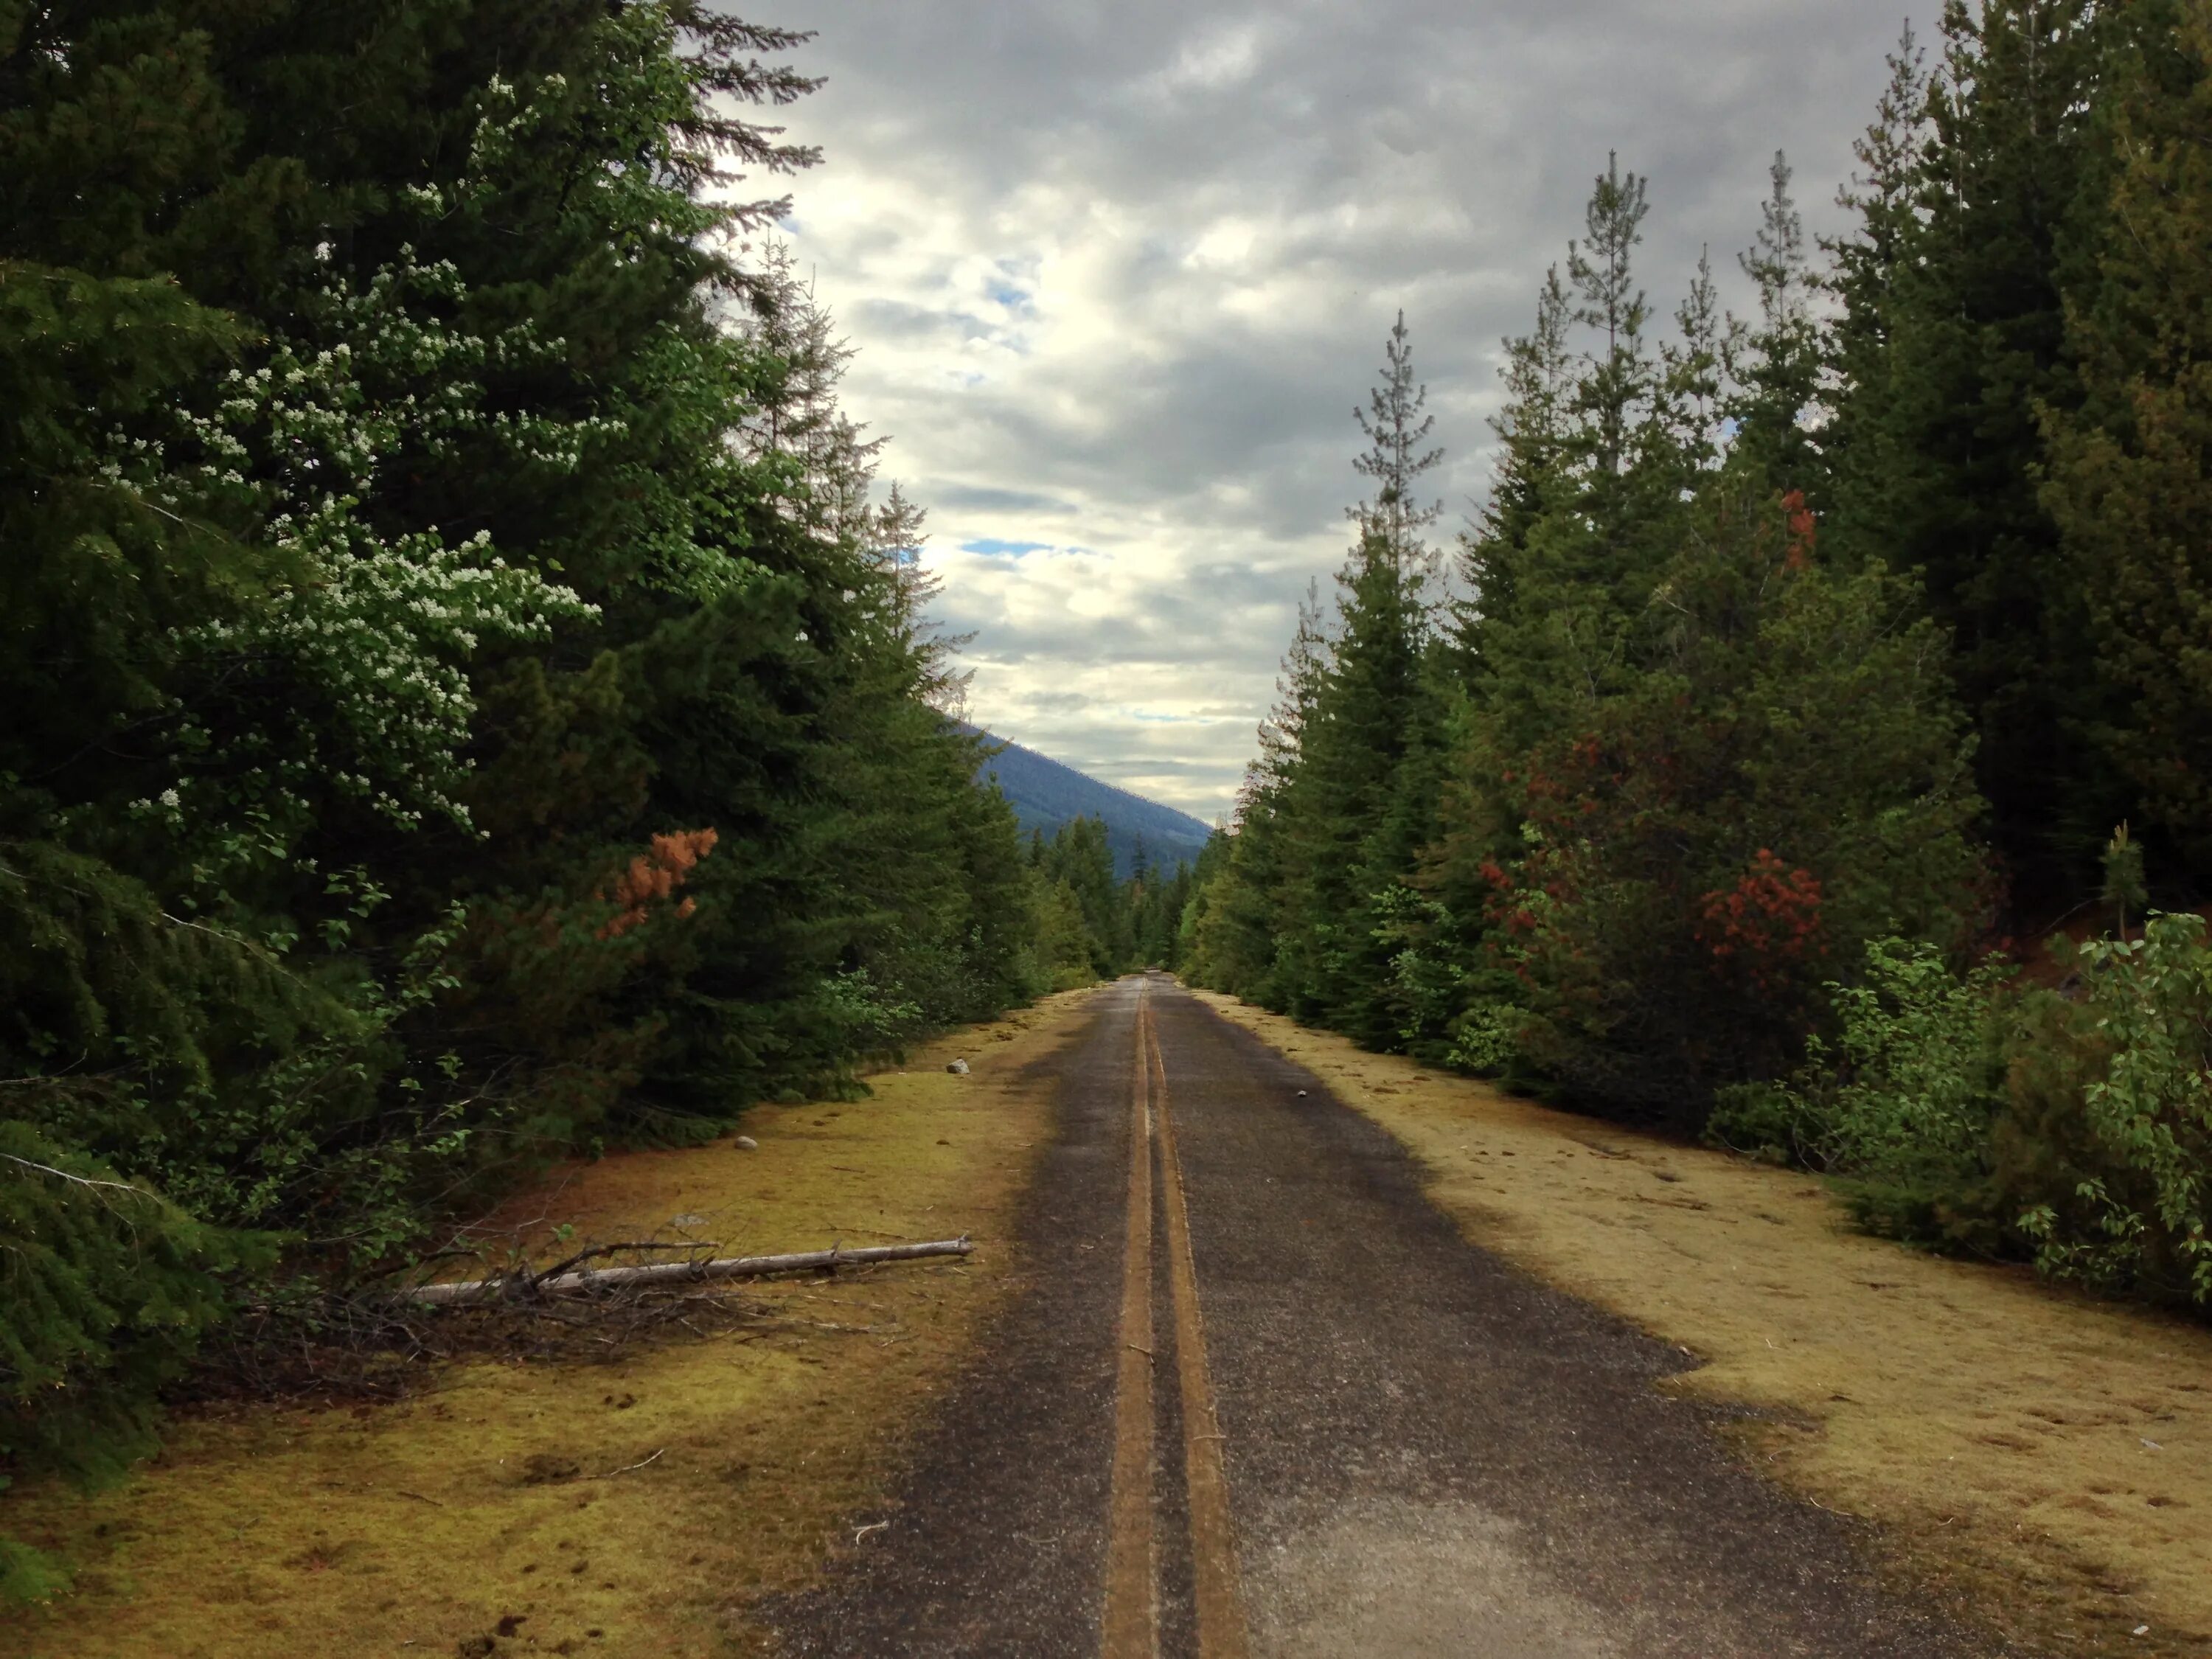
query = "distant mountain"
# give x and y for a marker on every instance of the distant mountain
(1046, 794)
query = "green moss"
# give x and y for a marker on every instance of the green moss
(269, 1532)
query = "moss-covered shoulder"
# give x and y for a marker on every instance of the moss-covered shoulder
(488, 1508)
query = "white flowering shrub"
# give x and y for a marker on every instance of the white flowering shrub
(371, 630)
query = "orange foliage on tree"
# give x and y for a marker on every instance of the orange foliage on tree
(654, 875)
(1770, 917)
(1804, 533)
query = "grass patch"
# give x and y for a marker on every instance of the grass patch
(2048, 1456)
(487, 1515)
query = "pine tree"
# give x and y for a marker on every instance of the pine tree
(1530, 475)
(2130, 468)
(1079, 857)
(1397, 427)
(1775, 363)
(1695, 380)
(1615, 391)
(1962, 290)
(1865, 268)
(1579, 524)
(1242, 938)
(1359, 803)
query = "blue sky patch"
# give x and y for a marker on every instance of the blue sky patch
(991, 547)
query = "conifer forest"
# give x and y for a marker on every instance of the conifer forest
(1801, 750)
(474, 698)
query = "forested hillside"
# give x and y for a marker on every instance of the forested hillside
(1804, 670)
(463, 706)
(1047, 795)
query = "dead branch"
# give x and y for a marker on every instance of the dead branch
(560, 1269)
(77, 1180)
(668, 1272)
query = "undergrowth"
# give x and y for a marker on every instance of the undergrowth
(2072, 1127)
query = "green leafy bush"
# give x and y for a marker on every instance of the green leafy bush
(1969, 1113)
(1922, 1050)
(2149, 1114)
(1901, 1100)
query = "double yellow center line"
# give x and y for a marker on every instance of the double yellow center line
(1131, 1625)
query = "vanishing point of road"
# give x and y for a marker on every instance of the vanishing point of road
(1256, 1396)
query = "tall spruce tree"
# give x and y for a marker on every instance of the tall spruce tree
(1775, 362)
(1956, 336)
(1530, 474)
(1362, 799)
(2130, 466)
(1865, 266)
(1241, 932)
(1601, 441)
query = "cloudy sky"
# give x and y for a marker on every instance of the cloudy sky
(1119, 272)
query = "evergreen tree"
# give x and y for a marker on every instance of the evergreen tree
(1562, 572)
(1396, 426)
(1619, 383)
(1957, 337)
(896, 534)
(1532, 431)
(1078, 858)
(1781, 777)
(1775, 364)
(1358, 803)
(1196, 928)
(1695, 383)
(1241, 940)
(2130, 467)
(1591, 443)
(1670, 587)
(1865, 268)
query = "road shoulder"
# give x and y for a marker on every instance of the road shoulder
(487, 1515)
(2047, 1456)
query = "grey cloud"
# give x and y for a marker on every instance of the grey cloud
(1060, 703)
(958, 497)
(1179, 623)
(1424, 153)
(891, 319)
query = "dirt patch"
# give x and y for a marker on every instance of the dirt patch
(1391, 1576)
(637, 1507)
(2049, 1455)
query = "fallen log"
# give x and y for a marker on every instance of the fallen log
(679, 1273)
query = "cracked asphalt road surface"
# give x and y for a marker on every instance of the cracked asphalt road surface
(1255, 1395)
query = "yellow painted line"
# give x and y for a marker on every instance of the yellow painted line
(1130, 1628)
(1221, 1628)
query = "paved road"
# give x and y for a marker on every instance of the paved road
(1258, 1397)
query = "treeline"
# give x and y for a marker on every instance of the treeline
(1095, 925)
(463, 706)
(1799, 659)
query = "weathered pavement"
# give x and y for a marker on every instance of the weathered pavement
(1256, 1395)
